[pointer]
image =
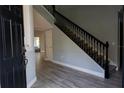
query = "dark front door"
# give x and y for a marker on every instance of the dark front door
(12, 65)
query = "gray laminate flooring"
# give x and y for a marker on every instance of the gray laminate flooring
(51, 75)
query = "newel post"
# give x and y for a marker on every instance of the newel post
(107, 62)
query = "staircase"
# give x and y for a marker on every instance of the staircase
(95, 48)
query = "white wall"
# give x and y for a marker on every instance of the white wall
(65, 51)
(40, 23)
(29, 44)
(101, 21)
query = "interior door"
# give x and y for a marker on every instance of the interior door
(12, 62)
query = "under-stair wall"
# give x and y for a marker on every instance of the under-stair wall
(67, 53)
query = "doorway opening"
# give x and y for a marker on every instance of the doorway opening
(37, 44)
(42, 41)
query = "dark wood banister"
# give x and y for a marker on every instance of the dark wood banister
(96, 41)
(80, 28)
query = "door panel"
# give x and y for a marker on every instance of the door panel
(13, 69)
(7, 39)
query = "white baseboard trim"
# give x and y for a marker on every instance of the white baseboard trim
(78, 68)
(29, 85)
(112, 63)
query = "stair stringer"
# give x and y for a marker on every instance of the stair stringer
(45, 13)
(65, 51)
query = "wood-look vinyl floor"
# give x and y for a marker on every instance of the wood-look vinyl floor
(51, 75)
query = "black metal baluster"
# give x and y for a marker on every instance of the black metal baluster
(103, 56)
(72, 32)
(86, 43)
(100, 54)
(97, 51)
(76, 33)
(91, 46)
(82, 39)
(83, 34)
(79, 35)
(94, 43)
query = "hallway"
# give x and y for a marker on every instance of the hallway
(50, 75)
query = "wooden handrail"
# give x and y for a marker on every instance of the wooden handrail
(79, 27)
